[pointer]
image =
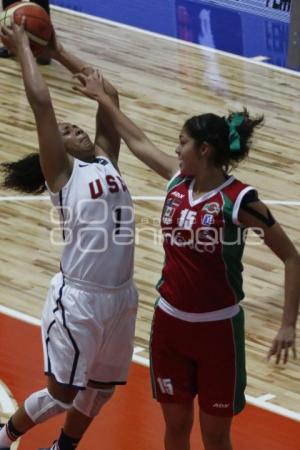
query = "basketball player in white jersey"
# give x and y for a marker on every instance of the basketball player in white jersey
(89, 316)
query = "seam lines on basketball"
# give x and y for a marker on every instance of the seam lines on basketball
(4, 17)
(36, 39)
(29, 16)
(10, 11)
(9, 14)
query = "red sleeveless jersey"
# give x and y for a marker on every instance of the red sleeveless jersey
(203, 243)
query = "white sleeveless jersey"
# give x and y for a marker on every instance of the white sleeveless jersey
(97, 221)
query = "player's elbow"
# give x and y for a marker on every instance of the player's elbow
(40, 99)
(296, 258)
(292, 257)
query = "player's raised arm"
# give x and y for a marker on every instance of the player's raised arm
(106, 137)
(165, 165)
(55, 163)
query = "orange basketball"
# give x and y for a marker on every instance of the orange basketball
(37, 26)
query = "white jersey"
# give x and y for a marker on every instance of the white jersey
(97, 220)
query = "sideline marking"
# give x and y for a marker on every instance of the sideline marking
(260, 402)
(266, 397)
(7, 405)
(260, 58)
(24, 198)
(37, 198)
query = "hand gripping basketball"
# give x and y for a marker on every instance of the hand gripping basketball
(38, 26)
(15, 37)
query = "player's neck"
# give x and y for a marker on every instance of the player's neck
(114, 159)
(208, 181)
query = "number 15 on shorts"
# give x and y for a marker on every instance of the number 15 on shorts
(165, 385)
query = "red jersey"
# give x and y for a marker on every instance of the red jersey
(203, 243)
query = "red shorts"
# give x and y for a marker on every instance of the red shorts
(205, 359)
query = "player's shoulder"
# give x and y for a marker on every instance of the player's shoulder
(238, 193)
(234, 187)
(177, 179)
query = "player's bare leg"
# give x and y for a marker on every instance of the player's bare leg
(62, 393)
(22, 421)
(179, 421)
(76, 423)
(54, 400)
(215, 432)
(86, 406)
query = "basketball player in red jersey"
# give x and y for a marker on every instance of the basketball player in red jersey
(197, 341)
(89, 315)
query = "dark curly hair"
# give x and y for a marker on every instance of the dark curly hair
(216, 130)
(24, 175)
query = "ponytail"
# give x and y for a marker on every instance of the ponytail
(230, 136)
(24, 175)
(241, 128)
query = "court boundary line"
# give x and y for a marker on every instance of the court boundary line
(6, 403)
(175, 40)
(259, 402)
(35, 198)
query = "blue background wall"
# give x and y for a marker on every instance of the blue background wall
(244, 27)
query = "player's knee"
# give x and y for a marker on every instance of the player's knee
(62, 393)
(41, 406)
(215, 438)
(177, 430)
(90, 401)
(179, 426)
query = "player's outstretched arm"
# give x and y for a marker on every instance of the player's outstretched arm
(259, 217)
(55, 163)
(93, 87)
(74, 64)
(106, 136)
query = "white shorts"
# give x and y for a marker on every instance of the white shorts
(88, 333)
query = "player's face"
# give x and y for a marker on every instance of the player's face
(77, 142)
(190, 161)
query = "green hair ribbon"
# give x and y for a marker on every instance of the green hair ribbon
(234, 137)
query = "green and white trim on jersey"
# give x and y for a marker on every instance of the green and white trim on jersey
(175, 181)
(238, 332)
(237, 204)
(232, 228)
(232, 253)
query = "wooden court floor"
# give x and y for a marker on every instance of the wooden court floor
(161, 83)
